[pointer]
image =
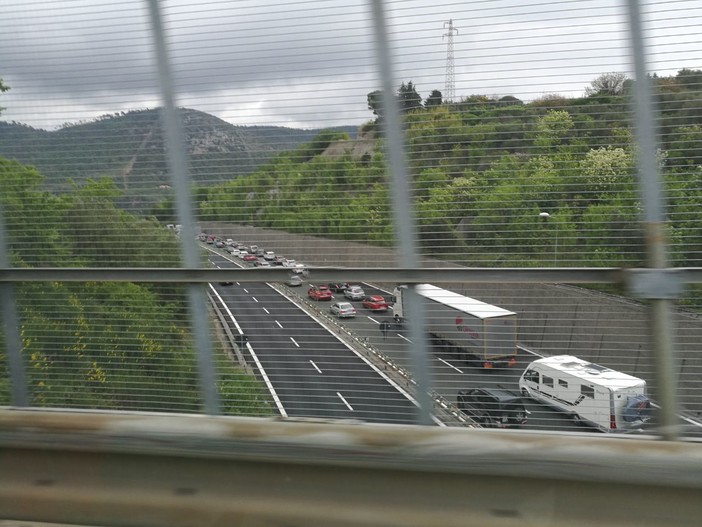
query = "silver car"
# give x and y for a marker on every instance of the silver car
(354, 292)
(343, 310)
(294, 280)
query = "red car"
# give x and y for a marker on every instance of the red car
(375, 303)
(319, 292)
(250, 258)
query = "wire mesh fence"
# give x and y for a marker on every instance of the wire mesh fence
(518, 126)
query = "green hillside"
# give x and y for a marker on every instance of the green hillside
(483, 171)
(107, 345)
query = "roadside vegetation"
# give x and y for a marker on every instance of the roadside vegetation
(484, 169)
(106, 345)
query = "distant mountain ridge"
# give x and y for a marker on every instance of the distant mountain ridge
(129, 148)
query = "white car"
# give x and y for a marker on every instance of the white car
(242, 254)
(269, 255)
(355, 292)
(288, 263)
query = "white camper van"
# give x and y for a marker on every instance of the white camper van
(591, 394)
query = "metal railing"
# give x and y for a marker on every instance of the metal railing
(112, 468)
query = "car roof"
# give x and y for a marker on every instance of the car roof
(500, 394)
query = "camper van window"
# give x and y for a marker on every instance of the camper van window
(562, 383)
(588, 391)
(532, 375)
(548, 381)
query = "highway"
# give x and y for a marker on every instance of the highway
(449, 374)
(312, 372)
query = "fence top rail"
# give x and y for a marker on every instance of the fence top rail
(577, 457)
(572, 275)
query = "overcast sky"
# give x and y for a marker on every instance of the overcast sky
(310, 64)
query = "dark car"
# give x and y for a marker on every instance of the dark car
(493, 407)
(338, 287)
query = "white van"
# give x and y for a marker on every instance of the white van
(609, 400)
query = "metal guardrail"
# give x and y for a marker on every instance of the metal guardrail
(128, 470)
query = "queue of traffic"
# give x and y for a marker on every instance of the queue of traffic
(590, 394)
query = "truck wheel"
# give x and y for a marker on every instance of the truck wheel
(525, 392)
(577, 421)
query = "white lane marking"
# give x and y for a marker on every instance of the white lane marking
(245, 291)
(255, 299)
(293, 341)
(226, 307)
(450, 365)
(359, 355)
(373, 320)
(404, 338)
(315, 366)
(688, 419)
(279, 324)
(345, 401)
(267, 312)
(269, 385)
(274, 394)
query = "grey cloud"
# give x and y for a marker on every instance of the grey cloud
(99, 56)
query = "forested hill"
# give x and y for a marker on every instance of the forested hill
(485, 169)
(129, 148)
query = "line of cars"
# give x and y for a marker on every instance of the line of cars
(345, 309)
(254, 254)
(600, 397)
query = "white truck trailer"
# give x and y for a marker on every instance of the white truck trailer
(591, 394)
(470, 328)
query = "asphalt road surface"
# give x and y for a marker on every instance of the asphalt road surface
(313, 373)
(316, 375)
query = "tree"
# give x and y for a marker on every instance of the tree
(409, 98)
(434, 100)
(375, 104)
(608, 173)
(509, 100)
(3, 88)
(689, 79)
(553, 129)
(607, 84)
